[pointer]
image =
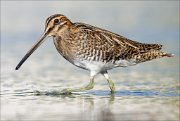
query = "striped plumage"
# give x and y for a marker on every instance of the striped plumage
(86, 42)
(95, 49)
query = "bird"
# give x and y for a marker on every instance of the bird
(94, 49)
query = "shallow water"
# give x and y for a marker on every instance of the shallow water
(148, 91)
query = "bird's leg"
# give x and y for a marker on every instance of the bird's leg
(111, 83)
(88, 87)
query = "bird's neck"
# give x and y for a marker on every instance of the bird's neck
(64, 44)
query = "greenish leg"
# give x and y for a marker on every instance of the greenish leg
(111, 83)
(88, 87)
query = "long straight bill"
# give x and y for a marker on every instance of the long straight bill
(38, 43)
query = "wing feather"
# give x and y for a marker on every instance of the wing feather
(118, 46)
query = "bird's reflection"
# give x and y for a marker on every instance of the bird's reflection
(96, 104)
(96, 107)
(91, 105)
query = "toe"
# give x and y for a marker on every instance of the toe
(65, 92)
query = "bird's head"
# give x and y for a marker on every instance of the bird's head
(54, 26)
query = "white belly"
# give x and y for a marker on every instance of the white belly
(99, 66)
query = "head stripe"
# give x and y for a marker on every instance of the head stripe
(51, 17)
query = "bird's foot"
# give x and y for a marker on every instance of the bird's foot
(66, 92)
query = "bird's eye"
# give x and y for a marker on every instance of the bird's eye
(56, 21)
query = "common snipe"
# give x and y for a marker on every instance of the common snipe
(94, 49)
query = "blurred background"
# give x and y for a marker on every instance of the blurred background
(148, 91)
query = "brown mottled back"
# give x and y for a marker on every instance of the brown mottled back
(99, 44)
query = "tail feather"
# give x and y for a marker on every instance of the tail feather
(169, 55)
(147, 47)
(150, 55)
